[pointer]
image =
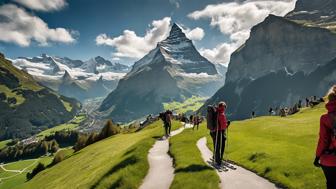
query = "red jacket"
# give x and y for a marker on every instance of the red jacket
(222, 122)
(326, 134)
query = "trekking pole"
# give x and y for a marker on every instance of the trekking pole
(215, 150)
(227, 142)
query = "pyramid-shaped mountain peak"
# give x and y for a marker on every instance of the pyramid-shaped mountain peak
(176, 34)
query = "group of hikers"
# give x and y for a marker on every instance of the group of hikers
(283, 112)
(194, 119)
(217, 123)
(167, 116)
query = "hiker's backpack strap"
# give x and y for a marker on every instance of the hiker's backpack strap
(333, 124)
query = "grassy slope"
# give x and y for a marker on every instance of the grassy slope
(16, 178)
(71, 125)
(26, 81)
(191, 171)
(191, 104)
(119, 161)
(280, 149)
(4, 143)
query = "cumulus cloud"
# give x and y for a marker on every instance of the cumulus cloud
(43, 5)
(19, 27)
(236, 19)
(195, 34)
(130, 45)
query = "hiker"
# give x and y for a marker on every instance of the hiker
(326, 148)
(217, 123)
(252, 115)
(166, 118)
(307, 102)
(197, 121)
(191, 119)
(300, 104)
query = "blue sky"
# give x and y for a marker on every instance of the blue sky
(70, 27)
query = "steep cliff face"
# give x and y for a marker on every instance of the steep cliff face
(278, 43)
(277, 64)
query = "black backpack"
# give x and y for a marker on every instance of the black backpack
(212, 122)
(162, 116)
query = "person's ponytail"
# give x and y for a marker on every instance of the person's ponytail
(332, 94)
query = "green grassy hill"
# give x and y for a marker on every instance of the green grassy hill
(119, 161)
(280, 149)
(190, 105)
(27, 106)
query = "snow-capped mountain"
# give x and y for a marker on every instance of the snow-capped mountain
(85, 75)
(173, 71)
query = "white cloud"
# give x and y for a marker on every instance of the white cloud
(43, 5)
(130, 45)
(236, 19)
(195, 34)
(19, 27)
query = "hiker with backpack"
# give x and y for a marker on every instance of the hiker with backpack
(326, 148)
(197, 121)
(166, 117)
(217, 124)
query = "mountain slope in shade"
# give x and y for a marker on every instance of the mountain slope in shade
(27, 107)
(317, 13)
(173, 71)
(264, 67)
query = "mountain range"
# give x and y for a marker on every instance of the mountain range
(27, 107)
(74, 78)
(284, 60)
(173, 71)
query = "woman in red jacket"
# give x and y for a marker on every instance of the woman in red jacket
(218, 135)
(326, 148)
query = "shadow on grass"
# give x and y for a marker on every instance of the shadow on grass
(123, 164)
(193, 168)
(129, 152)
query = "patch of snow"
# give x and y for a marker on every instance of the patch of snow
(110, 76)
(196, 75)
(288, 73)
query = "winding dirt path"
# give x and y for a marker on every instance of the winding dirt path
(235, 179)
(161, 170)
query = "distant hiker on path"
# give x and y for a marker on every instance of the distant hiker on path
(326, 148)
(217, 123)
(191, 119)
(197, 121)
(166, 117)
(253, 114)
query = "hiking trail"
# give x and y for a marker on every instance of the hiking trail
(161, 170)
(234, 179)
